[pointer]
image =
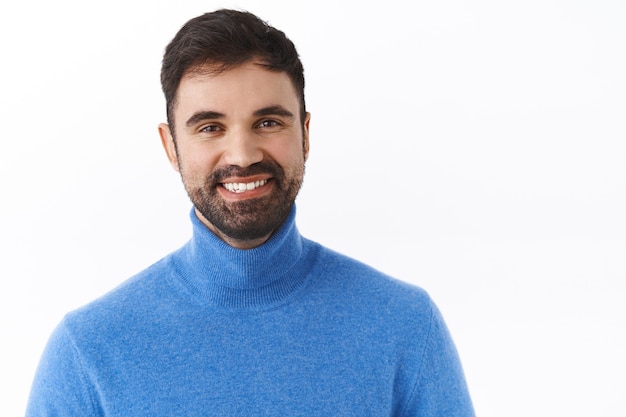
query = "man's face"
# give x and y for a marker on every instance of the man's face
(240, 149)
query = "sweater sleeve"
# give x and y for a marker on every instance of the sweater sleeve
(440, 389)
(61, 387)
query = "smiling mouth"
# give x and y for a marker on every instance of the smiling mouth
(240, 187)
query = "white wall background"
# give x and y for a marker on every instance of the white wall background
(475, 148)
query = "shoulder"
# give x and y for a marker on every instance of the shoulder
(349, 277)
(137, 295)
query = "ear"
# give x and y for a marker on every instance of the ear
(305, 139)
(167, 140)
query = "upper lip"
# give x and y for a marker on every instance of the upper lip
(245, 180)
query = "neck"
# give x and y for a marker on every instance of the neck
(226, 276)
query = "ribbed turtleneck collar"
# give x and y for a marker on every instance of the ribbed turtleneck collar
(238, 278)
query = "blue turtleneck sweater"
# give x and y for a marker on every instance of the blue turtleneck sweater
(286, 329)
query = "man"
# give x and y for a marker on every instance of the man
(248, 318)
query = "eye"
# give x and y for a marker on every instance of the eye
(210, 129)
(268, 123)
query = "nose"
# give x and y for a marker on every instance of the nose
(242, 148)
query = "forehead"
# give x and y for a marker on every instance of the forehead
(249, 84)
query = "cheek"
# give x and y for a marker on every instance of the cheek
(194, 168)
(199, 157)
(290, 154)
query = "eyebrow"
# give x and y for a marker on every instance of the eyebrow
(265, 111)
(274, 111)
(203, 115)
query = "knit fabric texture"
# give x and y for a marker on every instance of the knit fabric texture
(289, 328)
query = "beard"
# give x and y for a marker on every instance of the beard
(252, 218)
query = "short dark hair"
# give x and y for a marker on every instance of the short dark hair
(225, 39)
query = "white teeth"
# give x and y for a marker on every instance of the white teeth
(240, 187)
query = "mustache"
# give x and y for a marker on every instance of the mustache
(263, 167)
